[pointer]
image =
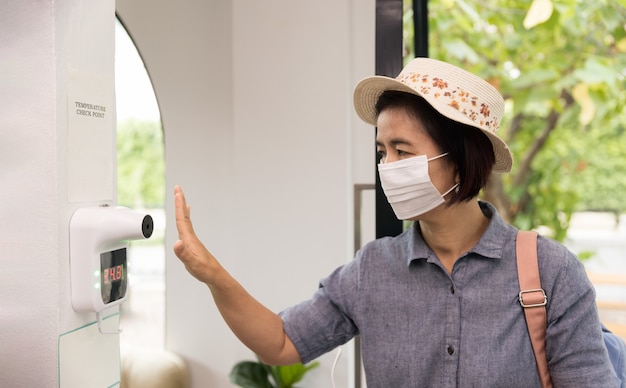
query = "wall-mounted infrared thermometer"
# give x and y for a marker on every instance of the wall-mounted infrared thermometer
(98, 247)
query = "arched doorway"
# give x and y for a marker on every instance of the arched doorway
(141, 186)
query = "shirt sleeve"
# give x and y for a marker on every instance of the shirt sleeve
(322, 323)
(577, 356)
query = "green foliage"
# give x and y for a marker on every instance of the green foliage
(251, 374)
(561, 67)
(140, 164)
(586, 255)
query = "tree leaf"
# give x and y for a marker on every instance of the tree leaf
(595, 71)
(588, 110)
(539, 12)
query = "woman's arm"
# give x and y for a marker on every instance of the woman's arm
(257, 327)
(574, 344)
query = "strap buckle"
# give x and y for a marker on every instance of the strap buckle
(533, 302)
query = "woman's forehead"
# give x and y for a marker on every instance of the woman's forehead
(397, 126)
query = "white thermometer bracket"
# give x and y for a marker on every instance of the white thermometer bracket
(99, 238)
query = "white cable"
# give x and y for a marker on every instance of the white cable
(332, 371)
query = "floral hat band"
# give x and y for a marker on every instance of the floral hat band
(455, 93)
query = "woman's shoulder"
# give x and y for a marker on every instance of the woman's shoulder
(553, 252)
(391, 244)
(557, 262)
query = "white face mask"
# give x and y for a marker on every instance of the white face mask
(408, 187)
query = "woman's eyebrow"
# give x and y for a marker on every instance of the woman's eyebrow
(393, 142)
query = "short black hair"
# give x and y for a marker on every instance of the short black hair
(468, 148)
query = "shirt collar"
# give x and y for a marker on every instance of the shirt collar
(490, 245)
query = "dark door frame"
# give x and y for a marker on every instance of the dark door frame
(389, 62)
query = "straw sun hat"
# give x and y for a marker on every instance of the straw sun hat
(453, 92)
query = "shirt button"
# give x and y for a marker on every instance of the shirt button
(450, 350)
(452, 289)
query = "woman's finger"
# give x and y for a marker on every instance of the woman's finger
(183, 211)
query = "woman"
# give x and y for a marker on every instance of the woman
(437, 305)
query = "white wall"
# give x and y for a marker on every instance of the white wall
(29, 243)
(256, 103)
(53, 54)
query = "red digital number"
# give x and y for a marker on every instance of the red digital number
(113, 274)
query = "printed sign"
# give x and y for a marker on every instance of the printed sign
(90, 137)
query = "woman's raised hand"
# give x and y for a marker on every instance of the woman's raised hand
(197, 259)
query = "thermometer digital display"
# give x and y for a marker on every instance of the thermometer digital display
(113, 279)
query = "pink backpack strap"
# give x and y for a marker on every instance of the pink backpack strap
(533, 299)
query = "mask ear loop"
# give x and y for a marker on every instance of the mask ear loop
(438, 156)
(455, 188)
(456, 185)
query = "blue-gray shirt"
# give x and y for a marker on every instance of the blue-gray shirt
(423, 327)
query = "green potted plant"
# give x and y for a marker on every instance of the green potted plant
(255, 374)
